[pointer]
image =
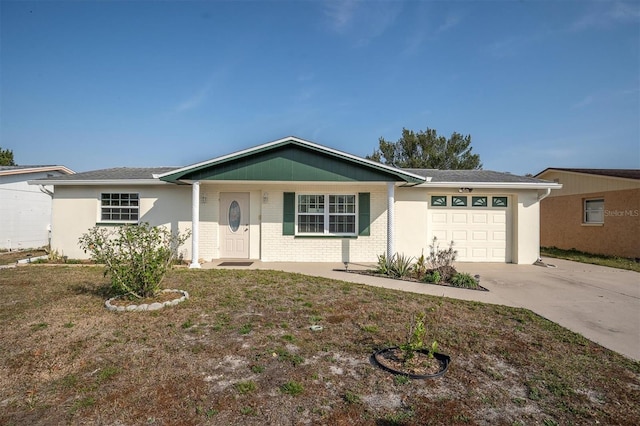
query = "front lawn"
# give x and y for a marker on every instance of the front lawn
(241, 351)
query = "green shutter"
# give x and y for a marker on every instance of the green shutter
(364, 213)
(289, 213)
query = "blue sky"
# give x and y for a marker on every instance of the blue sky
(537, 84)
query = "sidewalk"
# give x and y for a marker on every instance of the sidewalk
(602, 304)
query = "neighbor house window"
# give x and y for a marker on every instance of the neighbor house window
(594, 211)
(119, 207)
(326, 214)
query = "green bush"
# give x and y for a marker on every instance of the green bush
(432, 277)
(462, 279)
(136, 257)
(401, 265)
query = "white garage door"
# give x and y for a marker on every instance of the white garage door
(479, 234)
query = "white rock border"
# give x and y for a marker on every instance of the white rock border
(147, 307)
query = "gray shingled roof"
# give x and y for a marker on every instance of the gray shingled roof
(117, 173)
(621, 173)
(26, 167)
(472, 176)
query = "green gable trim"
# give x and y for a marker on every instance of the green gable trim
(291, 161)
(289, 213)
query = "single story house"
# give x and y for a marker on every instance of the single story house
(292, 200)
(596, 211)
(25, 211)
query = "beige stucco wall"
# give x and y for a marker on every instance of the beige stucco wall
(562, 223)
(76, 209)
(523, 221)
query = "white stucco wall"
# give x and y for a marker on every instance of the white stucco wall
(25, 212)
(76, 209)
(523, 225)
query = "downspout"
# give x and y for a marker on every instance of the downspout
(390, 214)
(545, 195)
(50, 194)
(195, 224)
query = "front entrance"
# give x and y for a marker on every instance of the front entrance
(234, 225)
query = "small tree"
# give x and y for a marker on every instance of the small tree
(137, 257)
(6, 157)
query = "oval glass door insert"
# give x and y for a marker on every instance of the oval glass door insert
(234, 216)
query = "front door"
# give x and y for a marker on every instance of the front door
(234, 225)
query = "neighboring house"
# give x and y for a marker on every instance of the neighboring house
(292, 200)
(596, 211)
(25, 211)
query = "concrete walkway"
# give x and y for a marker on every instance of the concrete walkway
(602, 304)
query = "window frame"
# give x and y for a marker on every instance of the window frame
(586, 211)
(119, 207)
(327, 214)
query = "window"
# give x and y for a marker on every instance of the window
(479, 201)
(119, 207)
(458, 201)
(326, 214)
(594, 211)
(499, 202)
(439, 200)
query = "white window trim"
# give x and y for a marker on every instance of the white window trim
(584, 211)
(326, 215)
(111, 221)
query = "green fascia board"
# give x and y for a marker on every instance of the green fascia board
(291, 161)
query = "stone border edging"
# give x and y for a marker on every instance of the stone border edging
(148, 307)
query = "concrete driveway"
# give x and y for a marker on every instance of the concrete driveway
(602, 304)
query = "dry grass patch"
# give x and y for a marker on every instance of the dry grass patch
(240, 351)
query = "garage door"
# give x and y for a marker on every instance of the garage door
(480, 234)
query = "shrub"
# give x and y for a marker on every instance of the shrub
(432, 277)
(462, 279)
(384, 265)
(439, 258)
(420, 266)
(136, 257)
(401, 265)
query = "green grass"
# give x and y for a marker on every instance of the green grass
(594, 259)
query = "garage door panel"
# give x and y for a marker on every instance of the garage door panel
(479, 253)
(459, 235)
(459, 218)
(500, 217)
(441, 235)
(499, 236)
(480, 218)
(479, 236)
(437, 217)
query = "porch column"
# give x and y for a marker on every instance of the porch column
(195, 224)
(390, 202)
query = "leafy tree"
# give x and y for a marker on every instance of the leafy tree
(427, 150)
(6, 157)
(137, 257)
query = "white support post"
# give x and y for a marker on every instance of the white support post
(195, 224)
(390, 203)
